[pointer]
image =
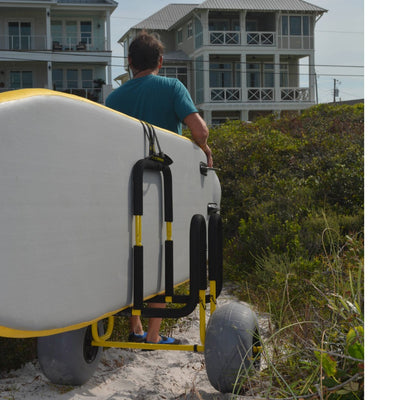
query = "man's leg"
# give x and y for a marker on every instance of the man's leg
(136, 325)
(154, 325)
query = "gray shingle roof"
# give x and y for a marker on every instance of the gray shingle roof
(258, 5)
(166, 17)
(176, 56)
(87, 2)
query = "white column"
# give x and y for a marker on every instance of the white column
(277, 77)
(243, 76)
(207, 117)
(48, 30)
(204, 22)
(108, 47)
(311, 76)
(49, 65)
(49, 75)
(244, 115)
(206, 78)
(108, 32)
(243, 34)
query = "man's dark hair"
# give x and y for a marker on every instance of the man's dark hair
(145, 51)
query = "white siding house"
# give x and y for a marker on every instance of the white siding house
(239, 58)
(56, 44)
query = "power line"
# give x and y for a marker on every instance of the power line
(183, 61)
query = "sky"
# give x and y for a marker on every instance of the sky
(339, 41)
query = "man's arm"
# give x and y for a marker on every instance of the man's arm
(199, 131)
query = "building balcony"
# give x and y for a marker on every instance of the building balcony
(58, 43)
(258, 29)
(259, 95)
(78, 43)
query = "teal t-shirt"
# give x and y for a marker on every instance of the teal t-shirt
(160, 101)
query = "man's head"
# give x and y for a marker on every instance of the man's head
(145, 52)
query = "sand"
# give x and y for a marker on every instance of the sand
(128, 374)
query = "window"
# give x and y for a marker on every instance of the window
(58, 78)
(260, 75)
(179, 36)
(72, 78)
(190, 29)
(86, 32)
(284, 75)
(21, 79)
(198, 33)
(295, 25)
(19, 34)
(306, 25)
(253, 75)
(251, 26)
(285, 24)
(56, 31)
(224, 25)
(225, 75)
(269, 80)
(87, 78)
(175, 72)
(71, 31)
(221, 75)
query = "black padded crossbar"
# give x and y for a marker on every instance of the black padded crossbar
(138, 170)
(138, 277)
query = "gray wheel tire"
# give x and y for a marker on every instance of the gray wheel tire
(69, 358)
(228, 350)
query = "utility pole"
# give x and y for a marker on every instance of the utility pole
(335, 90)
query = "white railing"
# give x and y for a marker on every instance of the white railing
(23, 42)
(58, 43)
(296, 42)
(225, 94)
(261, 38)
(71, 43)
(295, 94)
(260, 94)
(225, 38)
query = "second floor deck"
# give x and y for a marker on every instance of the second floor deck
(53, 43)
(265, 29)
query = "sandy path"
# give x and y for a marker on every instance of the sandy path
(127, 374)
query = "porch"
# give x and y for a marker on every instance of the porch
(260, 29)
(86, 81)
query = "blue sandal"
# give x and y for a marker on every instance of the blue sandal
(166, 340)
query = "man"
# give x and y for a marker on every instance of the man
(163, 102)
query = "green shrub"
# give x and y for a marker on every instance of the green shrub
(279, 176)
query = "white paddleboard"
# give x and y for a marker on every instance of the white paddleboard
(65, 210)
